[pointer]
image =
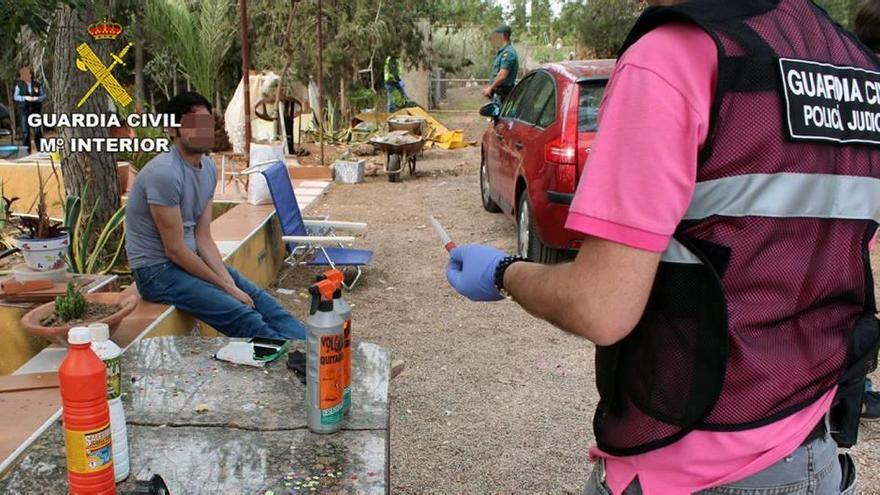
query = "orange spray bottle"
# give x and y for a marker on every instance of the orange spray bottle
(343, 309)
(325, 340)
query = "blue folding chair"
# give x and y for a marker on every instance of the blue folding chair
(306, 238)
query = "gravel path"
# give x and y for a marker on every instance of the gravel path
(492, 400)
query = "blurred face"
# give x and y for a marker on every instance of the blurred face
(25, 73)
(496, 39)
(196, 131)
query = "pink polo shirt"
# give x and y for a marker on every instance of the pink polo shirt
(637, 185)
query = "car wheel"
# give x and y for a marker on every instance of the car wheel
(528, 243)
(488, 204)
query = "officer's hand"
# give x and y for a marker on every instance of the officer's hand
(487, 91)
(471, 271)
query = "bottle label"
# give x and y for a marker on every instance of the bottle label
(114, 377)
(88, 451)
(331, 355)
(346, 365)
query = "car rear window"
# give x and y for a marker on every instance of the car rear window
(588, 107)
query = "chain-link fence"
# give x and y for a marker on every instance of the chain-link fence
(457, 93)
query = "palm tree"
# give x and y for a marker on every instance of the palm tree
(197, 39)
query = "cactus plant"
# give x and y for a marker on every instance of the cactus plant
(71, 306)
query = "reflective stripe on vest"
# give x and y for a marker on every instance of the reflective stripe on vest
(783, 195)
(787, 195)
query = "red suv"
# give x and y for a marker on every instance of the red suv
(534, 153)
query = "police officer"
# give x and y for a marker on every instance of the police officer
(504, 67)
(29, 95)
(393, 82)
(724, 277)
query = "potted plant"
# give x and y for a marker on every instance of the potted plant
(43, 242)
(53, 320)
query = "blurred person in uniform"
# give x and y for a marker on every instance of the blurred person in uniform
(28, 95)
(504, 67)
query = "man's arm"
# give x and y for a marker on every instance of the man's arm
(16, 95)
(43, 94)
(170, 225)
(208, 248)
(499, 79)
(600, 296)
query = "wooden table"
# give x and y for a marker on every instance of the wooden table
(212, 427)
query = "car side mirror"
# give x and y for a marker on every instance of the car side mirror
(491, 109)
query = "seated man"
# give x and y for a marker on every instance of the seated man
(170, 248)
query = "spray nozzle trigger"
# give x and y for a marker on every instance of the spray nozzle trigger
(326, 288)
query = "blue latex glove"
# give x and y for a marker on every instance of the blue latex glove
(471, 271)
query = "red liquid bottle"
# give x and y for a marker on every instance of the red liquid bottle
(83, 379)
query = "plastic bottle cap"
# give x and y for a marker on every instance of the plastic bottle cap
(79, 335)
(99, 331)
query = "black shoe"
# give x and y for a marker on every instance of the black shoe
(871, 406)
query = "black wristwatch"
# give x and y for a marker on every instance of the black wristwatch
(499, 272)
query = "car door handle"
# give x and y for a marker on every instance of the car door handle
(518, 146)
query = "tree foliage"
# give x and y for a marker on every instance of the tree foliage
(605, 24)
(356, 33)
(843, 11)
(24, 29)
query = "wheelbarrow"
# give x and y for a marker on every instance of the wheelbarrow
(401, 150)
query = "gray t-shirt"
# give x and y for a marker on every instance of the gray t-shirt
(166, 180)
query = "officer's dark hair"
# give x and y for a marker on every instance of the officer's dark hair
(867, 25)
(184, 103)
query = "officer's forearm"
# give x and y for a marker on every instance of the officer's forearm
(500, 78)
(600, 296)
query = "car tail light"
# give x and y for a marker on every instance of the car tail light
(561, 152)
(562, 156)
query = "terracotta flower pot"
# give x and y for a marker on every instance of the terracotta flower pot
(58, 335)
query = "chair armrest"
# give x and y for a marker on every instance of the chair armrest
(304, 239)
(350, 226)
(255, 167)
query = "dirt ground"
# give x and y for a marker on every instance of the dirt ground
(491, 400)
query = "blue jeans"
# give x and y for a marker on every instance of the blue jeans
(390, 88)
(812, 469)
(166, 283)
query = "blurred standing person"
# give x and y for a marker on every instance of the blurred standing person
(393, 82)
(504, 67)
(29, 95)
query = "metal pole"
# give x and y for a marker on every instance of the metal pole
(246, 76)
(321, 80)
